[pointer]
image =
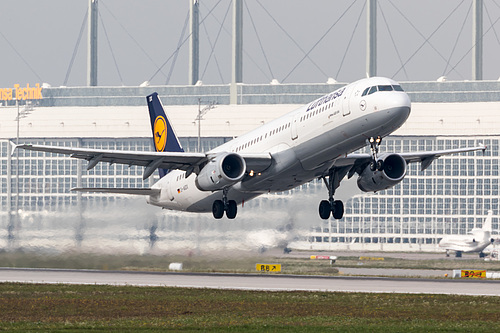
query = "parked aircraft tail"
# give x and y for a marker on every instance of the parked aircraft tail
(487, 222)
(164, 137)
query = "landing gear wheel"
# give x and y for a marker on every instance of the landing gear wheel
(325, 209)
(331, 206)
(232, 209)
(218, 209)
(373, 166)
(380, 165)
(338, 209)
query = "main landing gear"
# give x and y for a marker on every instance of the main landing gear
(331, 206)
(224, 205)
(335, 175)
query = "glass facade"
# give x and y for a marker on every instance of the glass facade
(43, 180)
(450, 197)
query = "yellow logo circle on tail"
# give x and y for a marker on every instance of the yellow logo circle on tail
(160, 133)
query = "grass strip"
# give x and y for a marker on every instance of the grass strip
(131, 309)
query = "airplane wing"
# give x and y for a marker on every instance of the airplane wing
(424, 157)
(150, 160)
(165, 160)
(257, 162)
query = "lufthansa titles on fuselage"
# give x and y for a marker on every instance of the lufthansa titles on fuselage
(325, 99)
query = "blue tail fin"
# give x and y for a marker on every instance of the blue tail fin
(164, 138)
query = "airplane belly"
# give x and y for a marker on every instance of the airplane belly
(281, 175)
(204, 204)
(347, 137)
(324, 148)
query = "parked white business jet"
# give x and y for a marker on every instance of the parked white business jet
(475, 241)
(314, 141)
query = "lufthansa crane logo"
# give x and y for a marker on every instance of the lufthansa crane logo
(362, 105)
(160, 133)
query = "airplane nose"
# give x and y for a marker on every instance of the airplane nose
(397, 100)
(398, 104)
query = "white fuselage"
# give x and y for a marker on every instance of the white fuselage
(304, 144)
(477, 242)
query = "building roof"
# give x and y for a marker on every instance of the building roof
(478, 118)
(133, 121)
(292, 93)
(436, 119)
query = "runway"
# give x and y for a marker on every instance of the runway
(254, 281)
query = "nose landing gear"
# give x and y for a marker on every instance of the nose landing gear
(374, 147)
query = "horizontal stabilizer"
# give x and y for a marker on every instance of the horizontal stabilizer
(136, 191)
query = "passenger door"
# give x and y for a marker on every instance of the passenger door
(294, 133)
(346, 107)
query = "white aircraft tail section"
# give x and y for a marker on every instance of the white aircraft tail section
(487, 224)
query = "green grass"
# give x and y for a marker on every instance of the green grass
(68, 308)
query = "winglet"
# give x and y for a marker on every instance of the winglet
(13, 148)
(484, 147)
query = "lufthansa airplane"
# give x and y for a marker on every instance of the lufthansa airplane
(316, 140)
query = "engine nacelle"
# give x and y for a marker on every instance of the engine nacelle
(393, 170)
(223, 170)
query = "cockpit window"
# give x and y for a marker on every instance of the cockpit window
(371, 90)
(385, 88)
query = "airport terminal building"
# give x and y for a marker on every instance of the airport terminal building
(452, 196)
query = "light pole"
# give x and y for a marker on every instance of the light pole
(201, 112)
(14, 222)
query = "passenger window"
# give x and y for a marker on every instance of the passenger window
(385, 88)
(372, 90)
(365, 91)
(398, 88)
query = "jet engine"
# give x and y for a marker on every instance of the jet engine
(224, 169)
(389, 170)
